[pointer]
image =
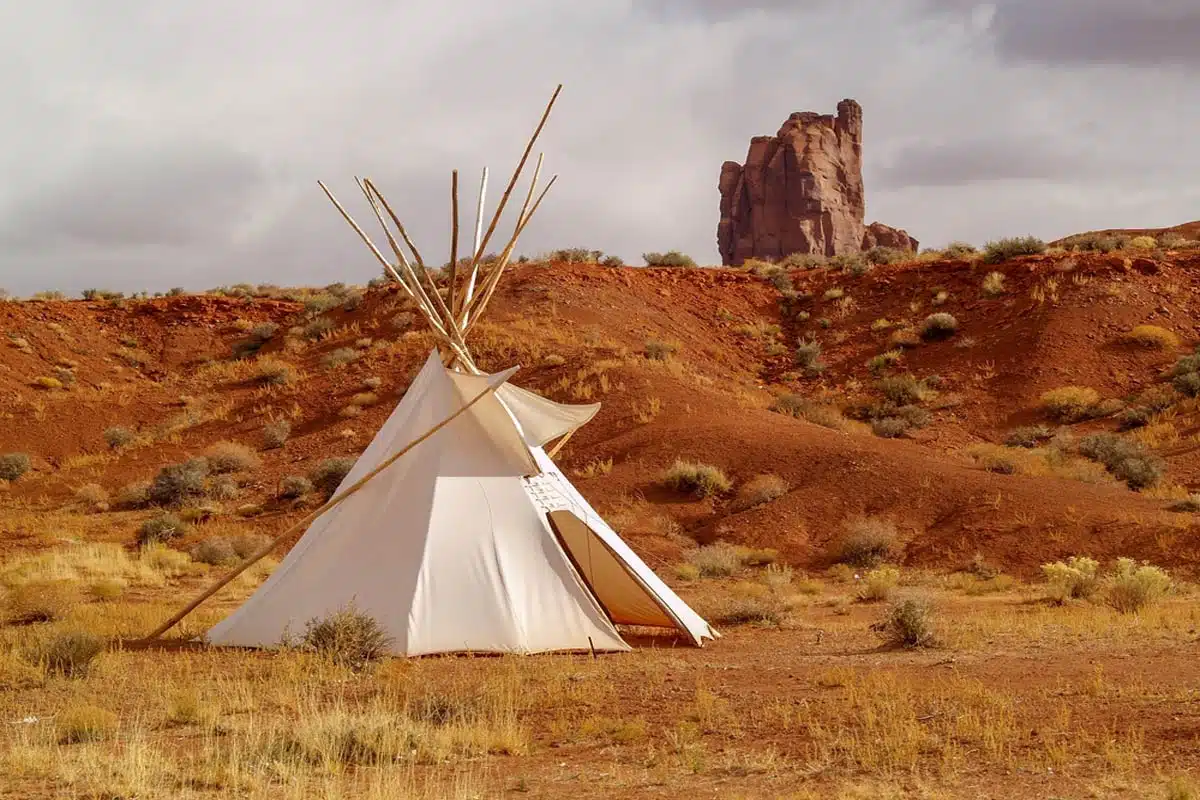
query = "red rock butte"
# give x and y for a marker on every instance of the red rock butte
(801, 191)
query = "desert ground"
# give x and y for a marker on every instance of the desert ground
(940, 506)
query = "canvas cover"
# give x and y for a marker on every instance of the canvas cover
(449, 548)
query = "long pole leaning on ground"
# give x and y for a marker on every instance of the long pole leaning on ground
(262, 552)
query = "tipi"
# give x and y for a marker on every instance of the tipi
(476, 542)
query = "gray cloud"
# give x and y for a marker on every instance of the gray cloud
(958, 163)
(170, 145)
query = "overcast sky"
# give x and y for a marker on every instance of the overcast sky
(150, 145)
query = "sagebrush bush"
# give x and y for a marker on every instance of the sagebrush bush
(808, 355)
(1070, 403)
(176, 484)
(993, 284)
(878, 583)
(247, 544)
(1075, 578)
(657, 350)
(93, 496)
(78, 724)
(14, 465)
(887, 255)
(71, 653)
(903, 390)
(1143, 243)
(890, 427)
(959, 250)
(699, 479)
(715, 560)
(939, 326)
(866, 542)
(759, 490)
(1001, 250)
(275, 434)
(330, 473)
(339, 357)
(161, 528)
(671, 258)
(908, 624)
(347, 637)
(117, 437)
(1132, 586)
(226, 457)
(215, 550)
(39, 601)
(1028, 436)
(294, 486)
(1127, 459)
(270, 371)
(794, 405)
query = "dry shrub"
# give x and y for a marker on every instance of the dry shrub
(939, 326)
(162, 528)
(330, 473)
(1001, 250)
(1074, 579)
(133, 495)
(271, 371)
(177, 483)
(759, 490)
(294, 486)
(701, 480)
(224, 488)
(715, 560)
(905, 337)
(1152, 336)
(766, 610)
(347, 637)
(800, 407)
(215, 550)
(275, 434)
(1132, 587)
(908, 624)
(225, 457)
(364, 399)
(1143, 243)
(117, 437)
(14, 465)
(339, 357)
(866, 542)
(107, 588)
(84, 723)
(70, 653)
(1028, 436)
(657, 350)
(1127, 459)
(39, 601)
(1070, 403)
(993, 284)
(247, 544)
(92, 496)
(878, 583)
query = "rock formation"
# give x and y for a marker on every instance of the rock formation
(800, 191)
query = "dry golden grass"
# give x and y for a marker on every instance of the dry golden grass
(1152, 336)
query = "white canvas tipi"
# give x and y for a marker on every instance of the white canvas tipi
(455, 530)
(474, 542)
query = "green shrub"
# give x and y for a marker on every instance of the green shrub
(1127, 459)
(702, 480)
(14, 465)
(908, 624)
(1001, 250)
(1073, 579)
(1028, 436)
(1132, 587)
(294, 486)
(903, 389)
(330, 473)
(959, 250)
(887, 255)
(672, 258)
(808, 355)
(161, 528)
(175, 484)
(939, 326)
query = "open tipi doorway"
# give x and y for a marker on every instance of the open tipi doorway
(455, 530)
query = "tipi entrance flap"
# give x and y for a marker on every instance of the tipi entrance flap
(627, 600)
